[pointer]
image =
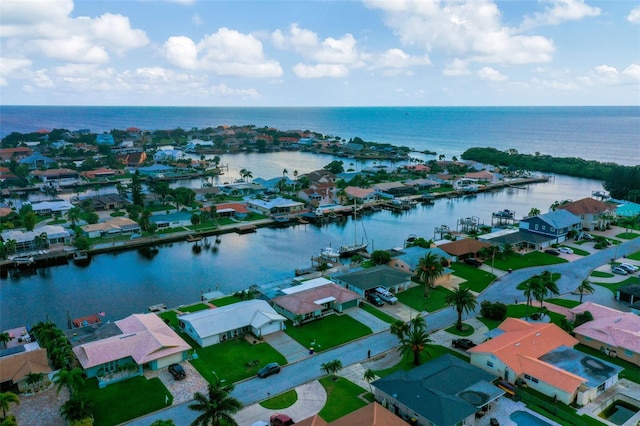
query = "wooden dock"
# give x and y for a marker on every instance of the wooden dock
(245, 229)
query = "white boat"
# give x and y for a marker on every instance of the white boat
(329, 253)
(22, 260)
(351, 249)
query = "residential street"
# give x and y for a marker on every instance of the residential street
(253, 390)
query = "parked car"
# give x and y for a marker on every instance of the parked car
(463, 344)
(375, 299)
(269, 369)
(552, 251)
(565, 250)
(386, 295)
(473, 262)
(618, 270)
(628, 267)
(281, 420)
(177, 371)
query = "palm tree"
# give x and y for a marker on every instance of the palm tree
(399, 328)
(6, 399)
(549, 286)
(462, 300)
(585, 287)
(10, 420)
(331, 367)
(33, 379)
(216, 407)
(530, 288)
(4, 339)
(285, 172)
(72, 379)
(369, 376)
(414, 340)
(429, 269)
(73, 216)
(77, 408)
(534, 212)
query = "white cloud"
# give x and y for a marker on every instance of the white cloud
(321, 70)
(611, 76)
(457, 67)
(634, 15)
(196, 20)
(226, 52)
(471, 30)
(490, 74)
(47, 27)
(12, 67)
(559, 11)
(397, 58)
(41, 79)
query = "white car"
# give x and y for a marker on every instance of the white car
(629, 267)
(566, 250)
(618, 270)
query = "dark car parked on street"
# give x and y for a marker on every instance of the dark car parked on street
(269, 369)
(463, 344)
(177, 371)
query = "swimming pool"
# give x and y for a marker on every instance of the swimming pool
(522, 418)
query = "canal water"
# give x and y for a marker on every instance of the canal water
(127, 282)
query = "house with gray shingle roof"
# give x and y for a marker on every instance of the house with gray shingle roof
(362, 280)
(555, 224)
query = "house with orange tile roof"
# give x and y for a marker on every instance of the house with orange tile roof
(464, 248)
(593, 213)
(372, 414)
(611, 331)
(541, 356)
(127, 346)
(17, 153)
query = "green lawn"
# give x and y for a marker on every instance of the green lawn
(520, 261)
(614, 286)
(224, 301)
(378, 313)
(230, 360)
(282, 401)
(556, 411)
(322, 335)
(580, 252)
(429, 353)
(564, 302)
(172, 316)
(520, 311)
(634, 256)
(126, 400)
(342, 398)
(600, 274)
(467, 330)
(414, 298)
(194, 308)
(627, 235)
(477, 279)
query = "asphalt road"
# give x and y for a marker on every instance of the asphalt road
(504, 290)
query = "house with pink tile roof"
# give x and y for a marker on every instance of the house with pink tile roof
(128, 346)
(361, 195)
(541, 356)
(612, 332)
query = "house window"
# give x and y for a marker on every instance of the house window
(534, 380)
(628, 353)
(544, 227)
(552, 229)
(489, 364)
(536, 227)
(587, 339)
(527, 377)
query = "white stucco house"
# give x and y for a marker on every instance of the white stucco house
(213, 326)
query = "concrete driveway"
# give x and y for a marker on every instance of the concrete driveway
(289, 348)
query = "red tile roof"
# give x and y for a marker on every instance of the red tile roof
(587, 206)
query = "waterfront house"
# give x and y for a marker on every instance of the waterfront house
(42, 208)
(362, 280)
(37, 161)
(17, 153)
(196, 145)
(276, 206)
(132, 158)
(393, 189)
(464, 248)
(242, 188)
(232, 210)
(612, 332)
(57, 177)
(111, 228)
(155, 170)
(318, 193)
(101, 173)
(321, 176)
(445, 392)
(163, 155)
(372, 414)
(408, 260)
(422, 184)
(171, 220)
(124, 348)
(593, 213)
(314, 299)
(554, 225)
(21, 357)
(105, 139)
(26, 241)
(213, 326)
(482, 176)
(542, 356)
(106, 201)
(361, 196)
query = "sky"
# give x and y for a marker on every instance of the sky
(319, 53)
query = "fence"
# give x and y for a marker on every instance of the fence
(550, 408)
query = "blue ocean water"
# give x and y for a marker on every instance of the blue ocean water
(610, 134)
